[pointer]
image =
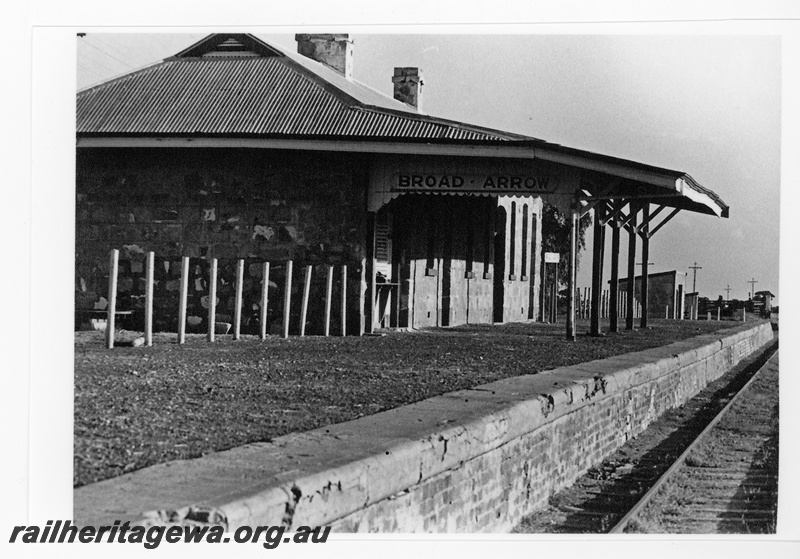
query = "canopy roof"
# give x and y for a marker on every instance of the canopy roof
(235, 89)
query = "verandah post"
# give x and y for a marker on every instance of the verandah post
(573, 234)
(645, 259)
(597, 273)
(631, 286)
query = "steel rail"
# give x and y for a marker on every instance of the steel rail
(648, 496)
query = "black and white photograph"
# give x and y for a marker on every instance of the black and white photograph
(389, 282)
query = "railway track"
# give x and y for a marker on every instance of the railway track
(709, 467)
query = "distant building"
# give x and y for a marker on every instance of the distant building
(762, 303)
(665, 293)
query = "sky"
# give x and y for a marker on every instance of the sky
(708, 105)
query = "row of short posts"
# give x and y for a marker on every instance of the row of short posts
(584, 303)
(212, 298)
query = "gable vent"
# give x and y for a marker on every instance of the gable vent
(229, 44)
(230, 47)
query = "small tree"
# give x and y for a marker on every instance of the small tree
(555, 237)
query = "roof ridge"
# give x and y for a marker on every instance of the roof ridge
(120, 77)
(502, 134)
(356, 103)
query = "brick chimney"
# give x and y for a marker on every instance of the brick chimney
(408, 86)
(335, 50)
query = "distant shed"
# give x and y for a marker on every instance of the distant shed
(665, 293)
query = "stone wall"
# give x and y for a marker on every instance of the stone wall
(227, 204)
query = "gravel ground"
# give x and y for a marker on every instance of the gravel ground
(135, 407)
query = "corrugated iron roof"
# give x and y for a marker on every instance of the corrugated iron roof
(235, 93)
(237, 86)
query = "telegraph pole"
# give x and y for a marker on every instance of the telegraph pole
(728, 289)
(752, 283)
(694, 280)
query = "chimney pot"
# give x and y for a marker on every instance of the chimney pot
(334, 50)
(408, 86)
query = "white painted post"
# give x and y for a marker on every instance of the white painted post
(587, 293)
(708, 316)
(602, 313)
(718, 313)
(602, 304)
(113, 271)
(237, 311)
(287, 299)
(328, 293)
(666, 311)
(344, 301)
(212, 300)
(362, 299)
(304, 307)
(182, 300)
(148, 298)
(264, 300)
(744, 317)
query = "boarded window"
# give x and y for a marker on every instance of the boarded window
(430, 252)
(534, 243)
(383, 244)
(524, 268)
(512, 250)
(471, 238)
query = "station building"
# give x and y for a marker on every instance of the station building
(235, 148)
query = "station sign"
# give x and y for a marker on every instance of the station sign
(394, 175)
(491, 184)
(552, 257)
